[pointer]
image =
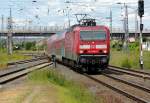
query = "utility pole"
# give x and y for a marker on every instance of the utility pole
(68, 15)
(111, 23)
(9, 35)
(68, 18)
(2, 32)
(136, 25)
(2, 25)
(126, 28)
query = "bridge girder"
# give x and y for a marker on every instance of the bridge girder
(52, 33)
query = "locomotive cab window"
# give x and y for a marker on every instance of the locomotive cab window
(92, 35)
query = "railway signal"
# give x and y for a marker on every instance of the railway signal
(141, 8)
(141, 13)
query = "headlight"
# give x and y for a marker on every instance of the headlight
(81, 51)
(105, 51)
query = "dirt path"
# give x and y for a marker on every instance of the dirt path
(26, 93)
(42, 94)
(10, 95)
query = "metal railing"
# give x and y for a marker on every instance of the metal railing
(118, 30)
(53, 29)
(35, 29)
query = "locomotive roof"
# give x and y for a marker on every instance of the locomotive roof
(73, 26)
(78, 25)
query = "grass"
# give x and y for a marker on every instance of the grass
(5, 58)
(118, 58)
(68, 91)
(30, 51)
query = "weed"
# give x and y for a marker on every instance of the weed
(120, 58)
(69, 91)
(126, 63)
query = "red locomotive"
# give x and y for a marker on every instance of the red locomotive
(86, 46)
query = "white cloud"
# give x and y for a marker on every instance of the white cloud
(48, 11)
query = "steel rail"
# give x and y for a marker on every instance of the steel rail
(120, 91)
(34, 54)
(136, 71)
(128, 83)
(144, 76)
(129, 95)
(18, 74)
(25, 61)
(17, 70)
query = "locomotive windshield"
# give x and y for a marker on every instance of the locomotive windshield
(92, 35)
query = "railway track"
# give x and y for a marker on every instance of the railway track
(26, 61)
(124, 91)
(11, 74)
(136, 73)
(134, 91)
(34, 54)
(127, 82)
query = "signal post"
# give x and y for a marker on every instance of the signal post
(141, 13)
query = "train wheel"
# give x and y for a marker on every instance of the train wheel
(77, 67)
(82, 69)
(63, 61)
(71, 63)
(105, 67)
(85, 69)
(68, 62)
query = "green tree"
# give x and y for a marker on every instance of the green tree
(30, 45)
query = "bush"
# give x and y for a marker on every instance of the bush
(134, 46)
(41, 47)
(145, 39)
(29, 45)
(126, 63)
(17, 47)
(117, 45)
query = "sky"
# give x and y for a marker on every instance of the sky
(56, 12)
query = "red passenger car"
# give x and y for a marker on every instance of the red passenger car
(86, 46)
